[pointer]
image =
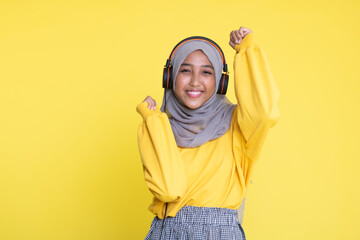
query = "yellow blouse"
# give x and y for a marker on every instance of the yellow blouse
(217, 173)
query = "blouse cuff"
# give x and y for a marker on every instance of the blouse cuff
(248, 41)
(144, 111)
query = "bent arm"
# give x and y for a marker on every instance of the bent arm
(164, 170)
(257, 94)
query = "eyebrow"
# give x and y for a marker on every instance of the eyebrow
(188, 64)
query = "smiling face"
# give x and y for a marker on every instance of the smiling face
(195, 81)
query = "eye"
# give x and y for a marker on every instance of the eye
(207, 72)
(185, 70)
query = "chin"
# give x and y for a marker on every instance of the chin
(193, 106)
(192, 103)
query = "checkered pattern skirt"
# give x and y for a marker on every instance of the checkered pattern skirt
(198, 223)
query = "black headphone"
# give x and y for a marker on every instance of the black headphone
(168, 75)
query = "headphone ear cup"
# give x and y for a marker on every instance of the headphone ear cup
(167, 78)
(223, 84)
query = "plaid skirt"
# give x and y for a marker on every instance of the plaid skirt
(198, 223)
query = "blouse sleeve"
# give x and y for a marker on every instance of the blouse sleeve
(163, 168)
(257, 95)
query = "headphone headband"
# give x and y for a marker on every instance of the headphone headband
(198, 38)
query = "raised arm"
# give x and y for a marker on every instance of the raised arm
(256, 92)
(163, 168)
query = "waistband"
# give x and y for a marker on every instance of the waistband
(205, 215)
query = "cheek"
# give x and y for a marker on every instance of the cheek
(180, 82)
(211, 84)
(178, 85)
(177, 92)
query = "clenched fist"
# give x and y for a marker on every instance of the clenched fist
(236, 36)
(151, 102)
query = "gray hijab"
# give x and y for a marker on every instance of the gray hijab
(194, 127)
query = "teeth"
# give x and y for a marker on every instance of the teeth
(193, 92)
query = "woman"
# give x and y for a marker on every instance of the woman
(198, 151)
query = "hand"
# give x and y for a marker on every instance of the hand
(236, 36)
(151, 102)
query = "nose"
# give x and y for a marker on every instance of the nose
(195, 80)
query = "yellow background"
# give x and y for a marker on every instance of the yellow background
(73, 72)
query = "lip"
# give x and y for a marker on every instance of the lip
(193, 93)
